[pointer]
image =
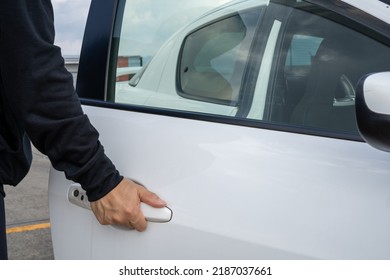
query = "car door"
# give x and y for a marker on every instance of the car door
(243, 119)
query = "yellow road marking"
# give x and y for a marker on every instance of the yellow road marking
(28, 228)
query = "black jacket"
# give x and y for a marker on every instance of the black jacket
(38, 103)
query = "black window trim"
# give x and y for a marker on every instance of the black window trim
(222, 120)
(95, 51)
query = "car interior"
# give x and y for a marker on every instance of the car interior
(321, 94)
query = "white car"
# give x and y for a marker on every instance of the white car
(261, 123)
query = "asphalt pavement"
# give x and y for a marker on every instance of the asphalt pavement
(27, 214)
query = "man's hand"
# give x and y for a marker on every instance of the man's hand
(121, 206)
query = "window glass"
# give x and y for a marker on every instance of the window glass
(318, 67)
(302, 50)
(147, 24)
(141, 29)
(214, 57)
(275, 64)
(175, 58)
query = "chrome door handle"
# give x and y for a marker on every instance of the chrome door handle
(77, 196)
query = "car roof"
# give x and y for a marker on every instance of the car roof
(374, 14)
(377, 8)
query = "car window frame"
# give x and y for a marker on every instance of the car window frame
(351, 20)
(97, 49)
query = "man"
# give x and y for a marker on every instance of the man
(38, 104)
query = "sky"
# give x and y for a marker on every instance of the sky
(157, 17)
(69, 19)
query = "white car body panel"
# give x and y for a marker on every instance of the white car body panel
(345, 186)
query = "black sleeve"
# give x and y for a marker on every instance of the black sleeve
(39, 90)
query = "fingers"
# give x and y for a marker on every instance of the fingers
(127, 215)
(121, 206)
(137, 221)
(151, 198)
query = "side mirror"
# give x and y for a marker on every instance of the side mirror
(373, 109)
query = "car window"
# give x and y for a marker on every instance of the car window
(179, 59)
(292, 66)
(318, 67)
(302, 50)
(142, 27)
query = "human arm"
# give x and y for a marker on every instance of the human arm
(39, 92)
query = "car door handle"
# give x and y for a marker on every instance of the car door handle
(78, 197)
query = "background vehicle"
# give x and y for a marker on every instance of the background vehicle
(244, 120)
